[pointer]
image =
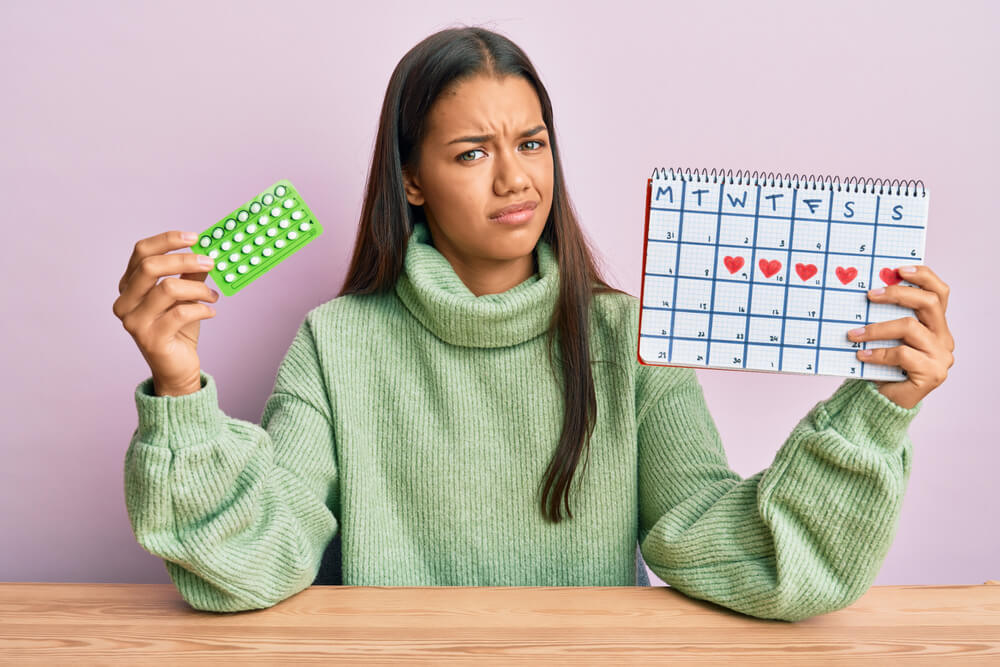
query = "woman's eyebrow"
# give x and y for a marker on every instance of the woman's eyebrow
(487, 137)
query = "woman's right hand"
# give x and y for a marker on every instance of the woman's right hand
(164, 318)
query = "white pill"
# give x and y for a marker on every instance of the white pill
(255, 207)
(237, 237)
(304, 227)
(213, 253)
(275, 212)
(284, 223)
(230, 224)
(243, 216)
(297, 215)
(251, 228)
(289, 203)
(221, 266)
(226, 245)
(259, 240)
(230, 277)
(242, 268)
(217, 232)
(268, 199)
(263, 220)
(267, 252)
(235, 257)
(292, 236)
(272, 231)
(280, 243)
(255, 260)
(280, 191)
(247, 249)
(205, 241)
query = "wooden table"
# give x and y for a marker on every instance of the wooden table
(81, 624)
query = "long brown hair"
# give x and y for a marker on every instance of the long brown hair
(442, 60)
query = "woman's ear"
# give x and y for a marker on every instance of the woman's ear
(413, 192)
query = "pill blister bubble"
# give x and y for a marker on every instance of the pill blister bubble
(289, 203)
(247, 249)
(272, 231)
(251, 228)
(268, 199)
(230, 224)
(205, 242)
(217, 232)
(280, 243)
(263, 220)
(243, 215)
(221, 266)
(293, 235)
(284, 224)
(259, 240)
(267, 252)
(226, 245)
(255, 207)
(213, 253)
(304, 227)
(235, 257)
(255, 260)
(297, 215)
(238, 236)
(275, 212)
(280, 191)
(230, 277)
(242, 268)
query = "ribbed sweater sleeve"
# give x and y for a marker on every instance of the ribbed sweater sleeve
(241, 514)
(804, 537)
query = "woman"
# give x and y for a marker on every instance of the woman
(424, 420)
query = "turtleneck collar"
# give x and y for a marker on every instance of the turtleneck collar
(430, 289)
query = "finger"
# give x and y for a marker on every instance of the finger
(926, 278)
(925, 303)
(907, 329)
(164, 296)
(913, 361)
(154, 245)
(175, 318)
(148, 271)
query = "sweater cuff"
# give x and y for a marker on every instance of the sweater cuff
(863, 415)
(178, 421)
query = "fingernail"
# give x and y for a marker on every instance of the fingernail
(188, 236)
(877, 291)
(865, 353)
(207, 262)
(860, 331)
(907, 269)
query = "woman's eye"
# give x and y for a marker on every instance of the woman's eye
(534, 141)
(462, 156)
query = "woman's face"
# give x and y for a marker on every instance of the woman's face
(486, 148)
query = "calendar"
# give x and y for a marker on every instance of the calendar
(768, 272)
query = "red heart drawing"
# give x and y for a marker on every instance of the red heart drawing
(805, 271)
(733, 263)
(889, 276)
(846, 275)
(769, 268)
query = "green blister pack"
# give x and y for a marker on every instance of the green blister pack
(254, 238)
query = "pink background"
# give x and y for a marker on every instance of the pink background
(122, 120)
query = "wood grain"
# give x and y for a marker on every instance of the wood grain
(63, 623)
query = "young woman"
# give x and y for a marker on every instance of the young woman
(431, 419)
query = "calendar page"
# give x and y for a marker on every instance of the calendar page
(768, 273)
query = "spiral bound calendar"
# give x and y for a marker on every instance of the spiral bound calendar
(768, 272)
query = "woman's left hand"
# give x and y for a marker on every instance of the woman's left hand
(927, 353)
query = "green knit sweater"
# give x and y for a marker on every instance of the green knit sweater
(418, 423)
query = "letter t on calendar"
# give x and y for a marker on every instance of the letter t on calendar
(768, 272)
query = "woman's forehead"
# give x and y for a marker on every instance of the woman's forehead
(485, 106)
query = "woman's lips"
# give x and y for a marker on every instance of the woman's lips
(516, 218)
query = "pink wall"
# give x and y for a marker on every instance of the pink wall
(121, 120)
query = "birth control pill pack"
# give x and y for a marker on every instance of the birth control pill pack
(254, 238)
